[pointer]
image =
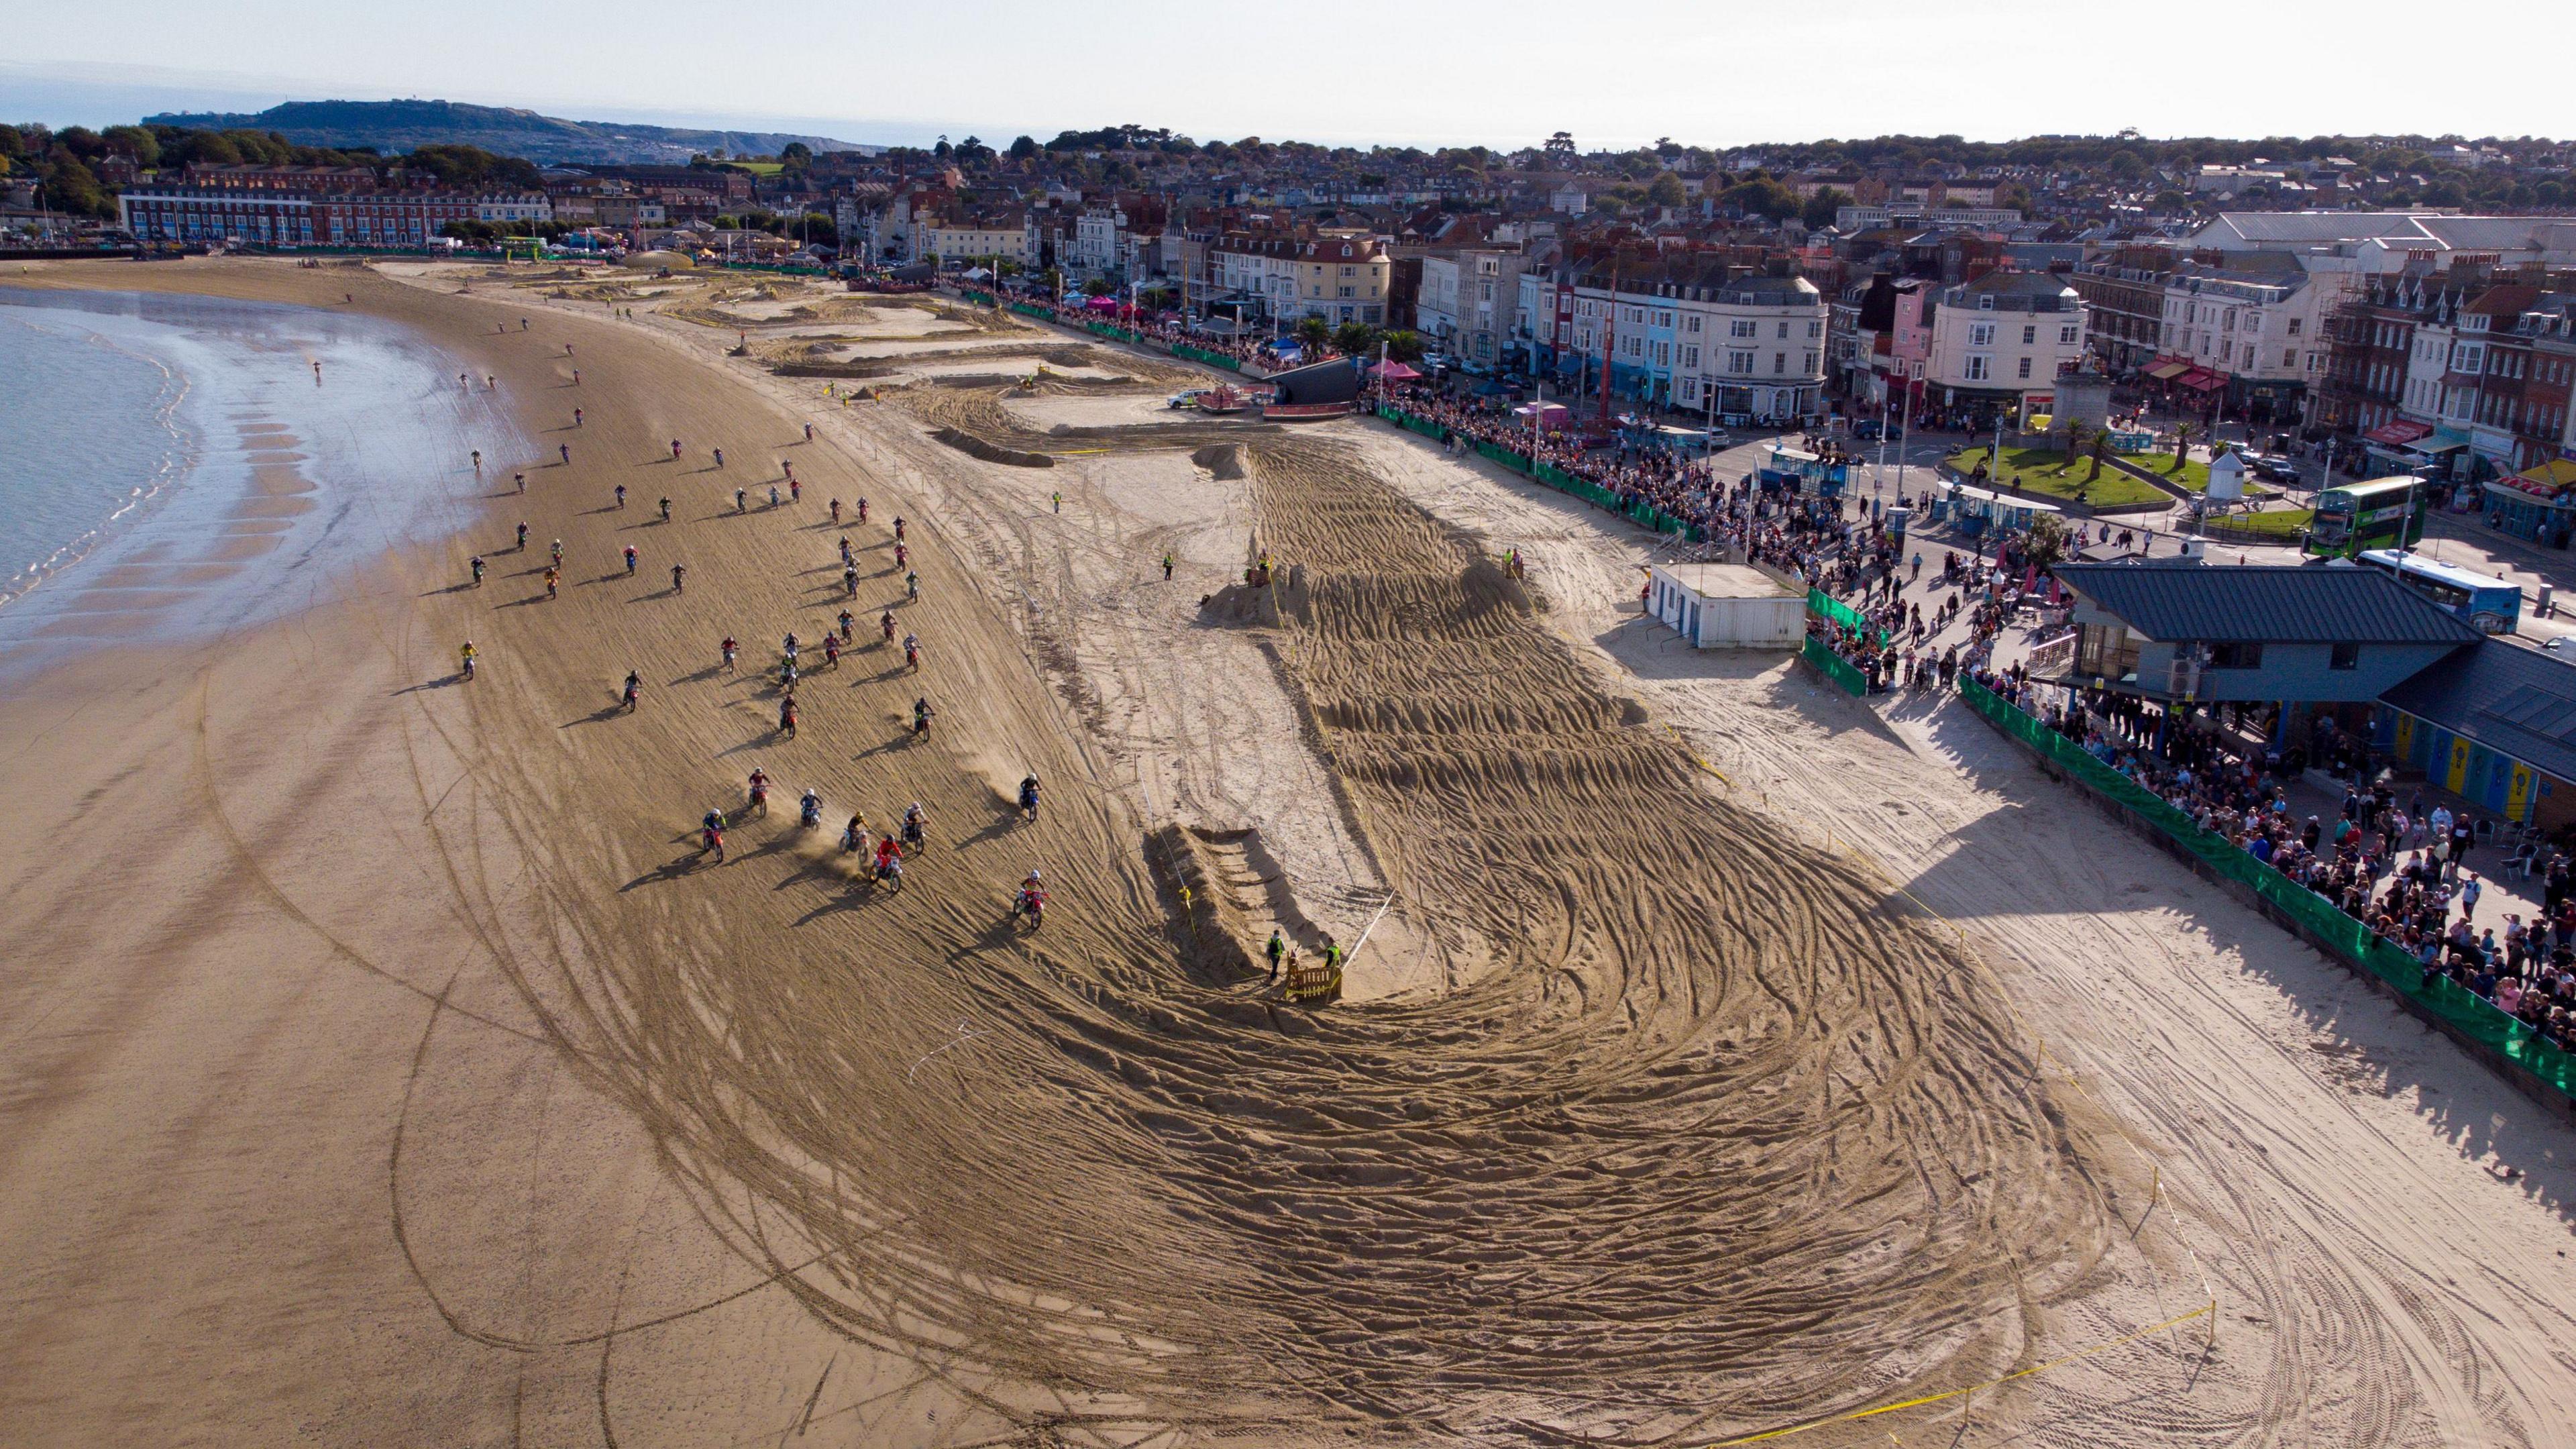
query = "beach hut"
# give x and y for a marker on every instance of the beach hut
(1726, 606)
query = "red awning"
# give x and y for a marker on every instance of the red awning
(2166, 369)
(2201, 379)
(2398, 434)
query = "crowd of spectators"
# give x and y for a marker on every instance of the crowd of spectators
(2401, 869)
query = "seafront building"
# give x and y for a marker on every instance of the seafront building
(301, 206)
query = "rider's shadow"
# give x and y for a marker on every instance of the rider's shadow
(1000, 827)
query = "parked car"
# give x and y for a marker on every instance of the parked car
(1867, 430)
(2272, 467)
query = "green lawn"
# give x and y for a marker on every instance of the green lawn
(2034, 470)
(2194, 476)
(2287, 522)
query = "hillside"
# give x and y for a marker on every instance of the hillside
(393, 126)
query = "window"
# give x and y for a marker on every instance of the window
(1784, 331)
(1690, 357)
(1978, 365)
(2025, 367)
(1815, 329)
(1986, 302)
(2236, 656)
(2066, 335)
(1779, 363)
(2294, 327)
(1694, 323)
(1739, 362)
(2290, 358)
(1741, 327)
(2029, 335)
(1982, 334)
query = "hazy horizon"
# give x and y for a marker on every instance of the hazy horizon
(1503, 74)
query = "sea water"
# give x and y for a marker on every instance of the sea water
(171, 466)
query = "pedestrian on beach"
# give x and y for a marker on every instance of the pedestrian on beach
(521, 479)
(1274, 951)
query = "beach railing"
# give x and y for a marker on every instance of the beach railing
(2466, 1015)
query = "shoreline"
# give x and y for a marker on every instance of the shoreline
(270, 483)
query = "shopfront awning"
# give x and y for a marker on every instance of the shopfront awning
(2548, 482)
(2167, 371)
(2397, 434)
(2201, 379)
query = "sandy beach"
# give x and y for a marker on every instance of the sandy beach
(381, 1063)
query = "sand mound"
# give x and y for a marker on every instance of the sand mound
(1223, 461)
(656, 261)
(1213, 926)
(830, 369)
(975, 447)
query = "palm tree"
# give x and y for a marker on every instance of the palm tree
(2076, 435)
(2182, 445)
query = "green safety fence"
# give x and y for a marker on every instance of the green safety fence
(1833, 666)
(1212, 359)
(1040, 313)
(1552, 476)
(1826, 606)
(2462, 1010)
(1114, 334)
(980, 299)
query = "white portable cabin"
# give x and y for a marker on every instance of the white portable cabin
(1727, 606)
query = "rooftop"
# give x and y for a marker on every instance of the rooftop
(2509, 698)
(2264, 603)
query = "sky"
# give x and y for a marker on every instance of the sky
(1504, 73)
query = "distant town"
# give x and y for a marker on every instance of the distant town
(2405, 295)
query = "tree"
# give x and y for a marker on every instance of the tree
(1024, 149)
(1403, 345)
(797, 155)
(2045, 545)
(1355, 338)
(136, 142)
(1314, 332)
(2077, 434)
(1667, 190)
(1098, 287)
(1824, 206)
(1559, 147)
(1763, 197)
(2182, 445)
(74, 188)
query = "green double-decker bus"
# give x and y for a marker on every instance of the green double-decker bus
(2382, 513)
